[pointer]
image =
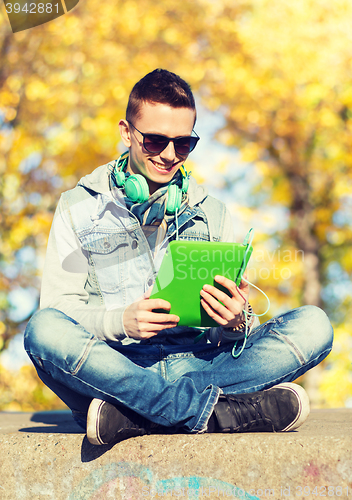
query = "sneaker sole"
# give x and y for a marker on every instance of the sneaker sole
(304, 405)
(92, 422)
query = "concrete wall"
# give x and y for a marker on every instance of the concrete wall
(48, 458)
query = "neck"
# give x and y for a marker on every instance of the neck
(153, 186)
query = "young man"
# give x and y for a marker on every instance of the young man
(97, 342)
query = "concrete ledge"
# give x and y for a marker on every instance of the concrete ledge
(45, 456)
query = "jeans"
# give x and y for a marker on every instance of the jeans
(172, 385)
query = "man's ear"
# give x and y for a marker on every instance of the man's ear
(125, 133)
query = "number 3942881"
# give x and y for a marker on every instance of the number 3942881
(32, 8)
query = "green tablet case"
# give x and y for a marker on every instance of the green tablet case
(187, 266)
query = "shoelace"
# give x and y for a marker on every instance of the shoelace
(135, 422)
(244, 411)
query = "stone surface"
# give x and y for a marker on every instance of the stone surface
(46, 456)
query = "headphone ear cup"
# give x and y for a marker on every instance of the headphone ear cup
(136, 188)
(120, 178)
(119, 169)
(174, 198)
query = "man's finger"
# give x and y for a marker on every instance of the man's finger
(213, 314)
(152, 304)
(162, 318)
(227, 283)
(212, 294)
(237, 292)
(225, 310)
(157, 327)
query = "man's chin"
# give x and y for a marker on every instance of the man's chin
(162, 176)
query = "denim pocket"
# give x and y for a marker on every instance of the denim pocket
(195, 230)
(120, 264)
(108, 254)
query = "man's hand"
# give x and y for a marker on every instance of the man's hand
(228, 314)
(141, 322)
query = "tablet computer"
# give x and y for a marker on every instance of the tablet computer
(187, 266)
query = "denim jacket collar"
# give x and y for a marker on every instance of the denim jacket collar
(106, 192)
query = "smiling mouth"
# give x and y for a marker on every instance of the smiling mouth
(165, 168)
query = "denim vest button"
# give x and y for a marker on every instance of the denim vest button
(150, 281)
(107, 244)
(134, 244)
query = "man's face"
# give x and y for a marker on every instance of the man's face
(160, 119)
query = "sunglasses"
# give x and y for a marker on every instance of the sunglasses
(155, 143)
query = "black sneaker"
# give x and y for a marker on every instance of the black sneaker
(109, 424)
(283, 407)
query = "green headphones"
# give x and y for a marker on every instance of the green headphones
(137, 190)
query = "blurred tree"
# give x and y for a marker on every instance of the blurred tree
(23, 391)
(287, 99)
(63, 88)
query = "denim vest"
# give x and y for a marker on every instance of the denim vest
(121, 264)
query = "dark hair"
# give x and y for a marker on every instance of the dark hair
(160, 86)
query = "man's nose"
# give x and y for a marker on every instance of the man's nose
(169, 153)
